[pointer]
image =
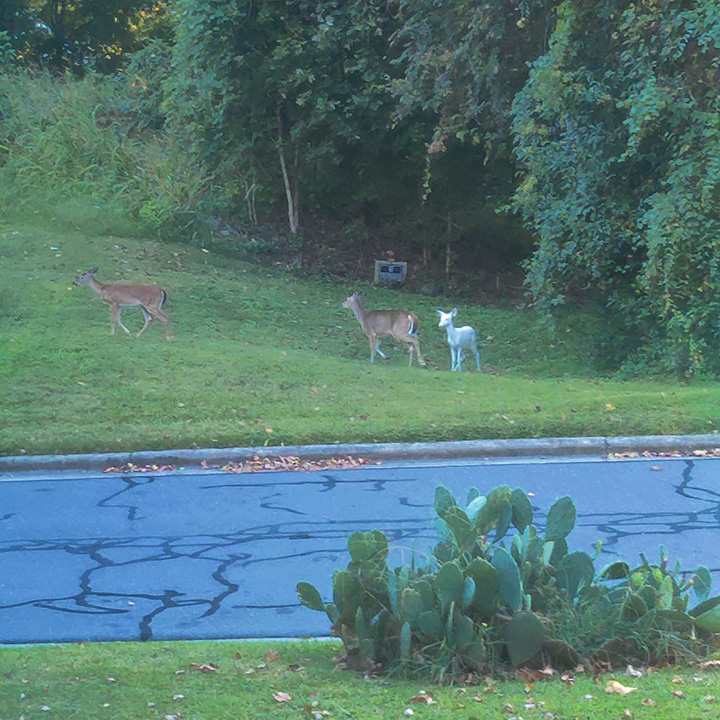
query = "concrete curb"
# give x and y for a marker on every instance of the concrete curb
(372, 451)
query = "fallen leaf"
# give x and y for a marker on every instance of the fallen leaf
(678, 680)
(205, 667)
(656, 468)
(609, 406)
(237, 656)
(678, 694)
(709, 698)
(613, 686)
(409, 712)
(632, 672)
(628, 714)
(271, 656)
(282, 697)
(479, 698)
(178, 697)
(295, 667)
(710, 665)
(423, 697)
(647, 702)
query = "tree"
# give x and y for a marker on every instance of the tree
(289, 98)
(618, 135)
(65, 34)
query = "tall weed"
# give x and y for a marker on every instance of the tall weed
(69, 149)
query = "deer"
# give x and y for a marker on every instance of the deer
(399, 324)
(458, 339)
(149, 298)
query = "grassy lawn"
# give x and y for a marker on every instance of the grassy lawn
(153, 680)
(263, 356)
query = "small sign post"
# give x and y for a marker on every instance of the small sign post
(390, 271)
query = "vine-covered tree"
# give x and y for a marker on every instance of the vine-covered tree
(618, 134)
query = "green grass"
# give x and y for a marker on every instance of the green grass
(263, 356)
(118, 680)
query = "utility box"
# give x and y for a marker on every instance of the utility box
(390, 271)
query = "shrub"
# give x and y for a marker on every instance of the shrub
(485, 601)
(68, 142)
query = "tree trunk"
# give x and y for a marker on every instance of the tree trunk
(292, 200)
(448, 252)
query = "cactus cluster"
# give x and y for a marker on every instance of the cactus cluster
(486, 599)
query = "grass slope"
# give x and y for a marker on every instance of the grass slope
(133, 680)
(262, 356)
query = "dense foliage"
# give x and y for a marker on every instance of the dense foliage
(617, 131)
(484, 600)
(460, 133)
(81, 34)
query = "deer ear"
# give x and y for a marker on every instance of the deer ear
(438, 311)
(454, 312)
(357, 295)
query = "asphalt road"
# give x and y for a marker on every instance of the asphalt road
(214, 555)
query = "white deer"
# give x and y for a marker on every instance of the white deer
(148, 297)
(458, 339)
(400, 324)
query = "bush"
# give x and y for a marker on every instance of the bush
(482, 603)
(69, 142)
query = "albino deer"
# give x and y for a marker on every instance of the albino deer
(458, 339)
(400, 324)
(149, 297)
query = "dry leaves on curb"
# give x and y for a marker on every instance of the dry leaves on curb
(281, 697)
(711, 452)
(613, 686)
(293, 463)
(132, 468)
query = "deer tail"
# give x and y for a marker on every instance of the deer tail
(164, 298)
(413, 329)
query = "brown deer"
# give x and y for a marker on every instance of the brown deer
(400, 324)
(148, 297)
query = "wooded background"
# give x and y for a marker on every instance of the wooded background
(576, 144)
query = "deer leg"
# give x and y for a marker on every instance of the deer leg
(378, 350)
(415, 346)
(163, 318)
(372, 339)
(148, 320)
(476, 352)
(461, 357)
(452, 359)
(115, 318)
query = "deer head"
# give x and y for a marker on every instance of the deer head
(85, 278)
(352, 300)
(446, 318)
